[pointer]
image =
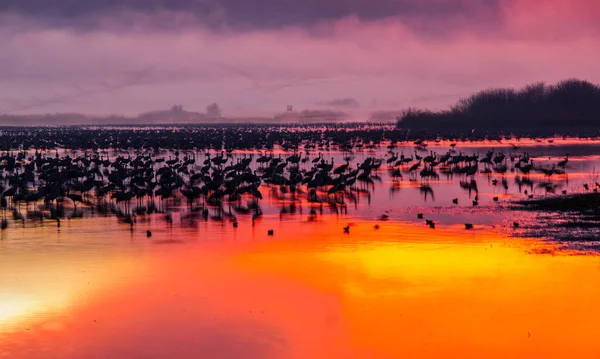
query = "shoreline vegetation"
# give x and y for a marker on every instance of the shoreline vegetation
(569, 107)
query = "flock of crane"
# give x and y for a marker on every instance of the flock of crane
(44, 184)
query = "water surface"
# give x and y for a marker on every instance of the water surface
(203, 289)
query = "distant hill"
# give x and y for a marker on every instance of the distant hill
(537, 107)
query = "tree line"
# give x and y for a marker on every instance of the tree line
(567, 104)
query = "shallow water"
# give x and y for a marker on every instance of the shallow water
(202, 289)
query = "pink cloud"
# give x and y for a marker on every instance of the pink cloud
(552, 19)
(384, 61)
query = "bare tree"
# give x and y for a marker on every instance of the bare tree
(213, 110)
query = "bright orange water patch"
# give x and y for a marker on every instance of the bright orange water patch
(310, 291)
(481, 298)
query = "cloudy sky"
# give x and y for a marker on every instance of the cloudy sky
(254, 57)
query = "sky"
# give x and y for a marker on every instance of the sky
(256, 57)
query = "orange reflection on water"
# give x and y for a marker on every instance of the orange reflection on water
(452, 295)
(311, 291)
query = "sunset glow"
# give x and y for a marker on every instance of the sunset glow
(134, 58)
(279, 179)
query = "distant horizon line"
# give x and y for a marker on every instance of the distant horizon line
(320, 112)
